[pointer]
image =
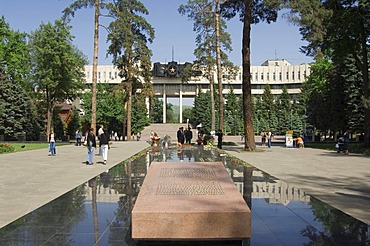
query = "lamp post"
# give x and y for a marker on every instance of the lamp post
(291, 120)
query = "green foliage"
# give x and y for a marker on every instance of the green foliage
(157, 111)
(338, 31)
(233, 107)
(58, 125)
(201, 112)
(109, 107)
(203, 14)
(74, 123)
(187, 114)
(16, 116)
(6, 148)
(58, 65)
(129, 35)
(139, 115)
(14, 55)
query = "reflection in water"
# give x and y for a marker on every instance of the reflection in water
(98, 212)
(92, 185)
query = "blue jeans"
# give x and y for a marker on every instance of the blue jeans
(90, 154)
(269, 142)
(52, 148)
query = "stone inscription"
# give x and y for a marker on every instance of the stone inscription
(204, 173)
(202, 188)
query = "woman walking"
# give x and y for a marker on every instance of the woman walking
(91, 145)
(52, 150)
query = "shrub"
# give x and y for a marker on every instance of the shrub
(6, 148)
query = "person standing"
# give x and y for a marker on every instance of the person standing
(104, 145)
(100, 132)
(78, 137)
(188, 135)
(52, 144)
(91, 145)
(263, 137)
(269, 138)
(180, 137)
(345, 143)
(220, 136)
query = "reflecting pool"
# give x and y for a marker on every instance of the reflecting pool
(98, 211)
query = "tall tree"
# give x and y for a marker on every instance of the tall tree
(250, 12)
(232, 112)
(341, 29)
(57, 65)
(211, 35)
(70, 11)
(128, 37)
(14, 55)
(16, 116)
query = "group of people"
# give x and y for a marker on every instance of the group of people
(266, 136)
(184, 136)
(299, 141)
(90, 143)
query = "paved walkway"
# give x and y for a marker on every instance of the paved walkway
(339, 180)
(31, 179)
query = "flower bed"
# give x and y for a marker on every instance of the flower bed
(6, 148)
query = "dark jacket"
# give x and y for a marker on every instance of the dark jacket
(104, 138)
(91, 142)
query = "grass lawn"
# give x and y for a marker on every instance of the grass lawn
(30, 146)
(357, 148)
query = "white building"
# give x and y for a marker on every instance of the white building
(276, 73)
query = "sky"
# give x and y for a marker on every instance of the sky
(173, 31)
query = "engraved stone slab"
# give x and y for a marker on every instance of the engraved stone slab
(189, 200)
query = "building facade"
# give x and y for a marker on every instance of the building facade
(276, 73)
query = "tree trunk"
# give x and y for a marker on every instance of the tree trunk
(129, 96)
(249, 144)
(124, 120)
(212, 92)
(365, 76)
(95, 66)
(211, 88)
(129, 110)
(49, 114)
(219, 72)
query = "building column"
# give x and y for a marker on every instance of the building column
(180, 103)
(164, 103)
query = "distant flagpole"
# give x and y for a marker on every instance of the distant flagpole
(173, 54)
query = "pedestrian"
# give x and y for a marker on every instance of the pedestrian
(345, 143)
(104, 143)
(300, 142)
(100, 132)
(263, 137)
(180, 137)
(220, 136)
(188, 135)
(138, 136)
(78, 137)
(52, 144)
(269, 138)
(91, 145)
